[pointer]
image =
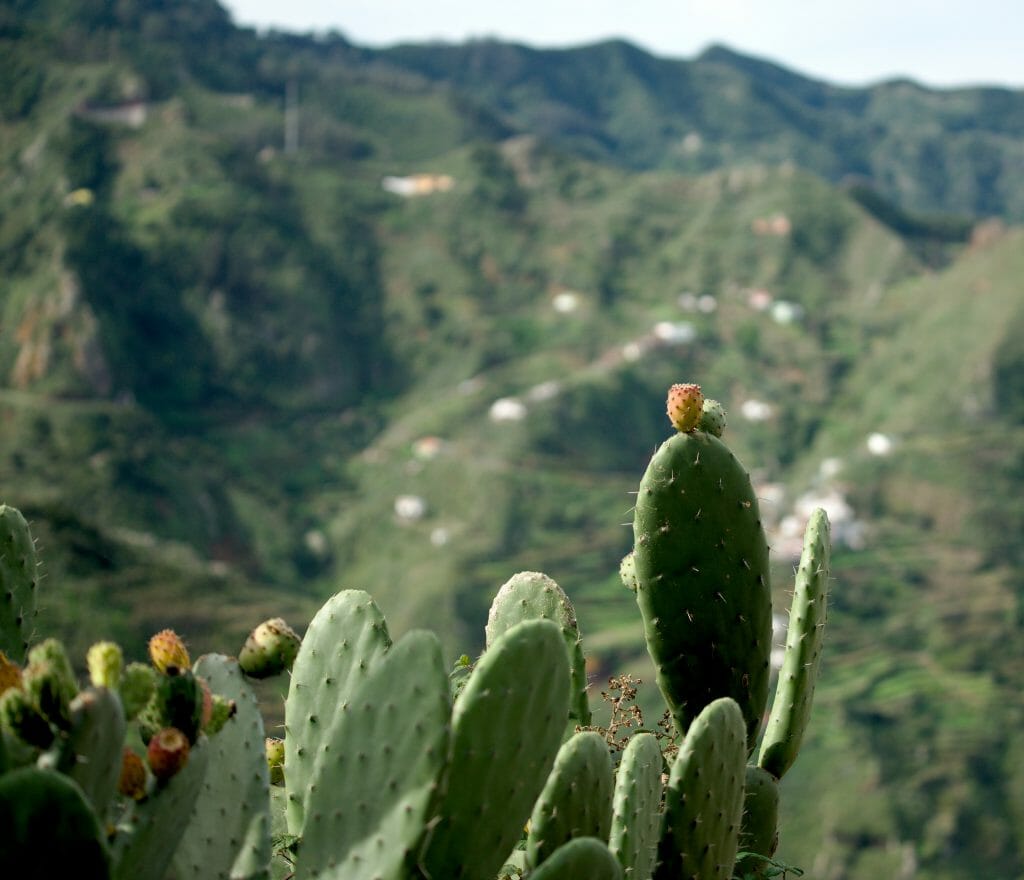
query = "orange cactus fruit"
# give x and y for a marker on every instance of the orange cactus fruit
(132, 782)
(166, 649)
(685, 404)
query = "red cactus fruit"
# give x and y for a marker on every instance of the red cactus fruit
(167, 753)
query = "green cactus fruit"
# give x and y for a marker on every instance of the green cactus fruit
(167, 753)
(18, 578)
(94, 744)
(180, 700)
(105, 662)
(636, 806)
(270, 649)
(531, 595)
(149, 832)
(49, 681)
(378, 769)
(576, 800)
(627, 572)
(343, 641)
(274, 749)
(759, 834)
(703, 589)
(712, 418)
(138, 685)
(222, 710)
(49, 829)
(167, 651)
(584, 858)
(794, 692)
(235, 796)
(22, 720)
(507, 726)
(685, 403)
(704, 797)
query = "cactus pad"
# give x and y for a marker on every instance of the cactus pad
(636, 806)
(531, 595)
(377, 771)
(759, 831)
(704, 798)
(344, 639)
(577, 797)
(795, 690)
(18, 578)
(701, 562)
(584, 858)
(506, 729)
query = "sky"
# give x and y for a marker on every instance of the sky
(962, 42)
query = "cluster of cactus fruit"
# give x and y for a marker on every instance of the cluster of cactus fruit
(392, 766)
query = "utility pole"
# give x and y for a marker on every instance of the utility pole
(291, 118)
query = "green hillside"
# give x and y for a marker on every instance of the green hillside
(240, 369)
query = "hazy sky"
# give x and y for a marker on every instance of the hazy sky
(935, 42)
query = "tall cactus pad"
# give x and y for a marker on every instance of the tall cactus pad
(378, 770)
(148, 835)
(795, 691)
(704, 798)
(344, 639)
(18, 577)
(701, 562)
(759, 831)
(584, 858)
(48, 828)
(235, 796)
(506, 729)
(95, 745)
(576, 800)
(636, 807)
(531, 595)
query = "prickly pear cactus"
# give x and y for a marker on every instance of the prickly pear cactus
(235, 797)
(18, 578)
(576, 800)
(507, 726)
(584, 858)
(344, 639)
(48, 828)
(704, 798)
(531, 595)
(378, 768)
(636, 806)
(701, 564)
(795, 690)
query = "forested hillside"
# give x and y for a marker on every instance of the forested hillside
(280, 314)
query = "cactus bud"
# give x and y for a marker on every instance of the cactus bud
(167, 753)
(712, 418)
(222, 710)
(104, 661)
(166, 650)
(132, 782)
(49, 681)
(684, 406)
(138, 683)
(271, 648)
(10, 673)
(275, 759)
